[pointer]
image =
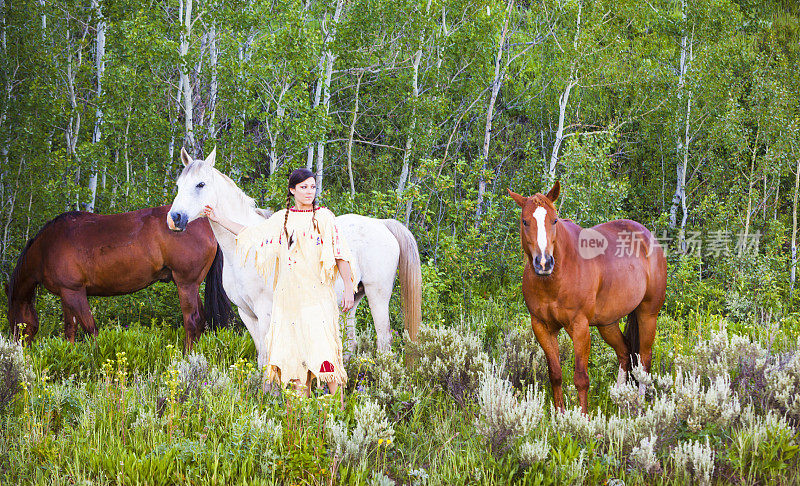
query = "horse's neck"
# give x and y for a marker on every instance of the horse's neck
(234, 209)
(565, 248)
(225, 239)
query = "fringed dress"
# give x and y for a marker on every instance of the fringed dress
(304, 334)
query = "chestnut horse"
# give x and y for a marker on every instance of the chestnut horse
(78, 254)
(575, 278)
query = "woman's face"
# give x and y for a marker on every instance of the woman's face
(305, 192)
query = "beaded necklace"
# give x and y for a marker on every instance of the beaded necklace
(295, 210)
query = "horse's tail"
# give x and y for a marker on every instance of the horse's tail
(632, 337)
(216, 305)
(410, 276)
(21, 293)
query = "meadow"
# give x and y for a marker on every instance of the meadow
(473, 406)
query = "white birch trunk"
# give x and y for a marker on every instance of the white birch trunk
(100, 66)
(350, 138)
(326, 103)
(173, 121)
(401, 183)
(777, 193)
(10, 218)
(765, 193)
(793, 269)
(415, 61)
(328, 58)
(188, 101)
(7, 92)
(74, 125)
(28, 224)
(199, 118)
(317, 98)
(168, 164)
(42, 4)
(563, 101)
(750, 192)
(3, 202)
(244, 55)
(497, 82)
(683, 168)
(272, 132)
(214, 88)
(127, 160)
(682, 143)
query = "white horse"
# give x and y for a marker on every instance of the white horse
(378, 247)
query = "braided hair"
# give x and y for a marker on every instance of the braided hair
(296, 177)
(286, 217)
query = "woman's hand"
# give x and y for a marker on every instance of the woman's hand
(226, 223)
(347, 278)
(347, 299)
(208, 212)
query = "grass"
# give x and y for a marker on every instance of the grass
(129, 408)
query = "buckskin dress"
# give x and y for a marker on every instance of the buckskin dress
(304, 334)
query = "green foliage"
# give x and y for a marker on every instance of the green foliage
(592, 194)
(149, 350)
(767, 459)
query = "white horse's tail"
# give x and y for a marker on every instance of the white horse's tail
(410, 276)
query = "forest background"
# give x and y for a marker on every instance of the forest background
(682, 115)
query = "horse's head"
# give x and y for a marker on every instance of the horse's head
(538, 228)
(196, 189)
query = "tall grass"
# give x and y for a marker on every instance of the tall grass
(128, 407)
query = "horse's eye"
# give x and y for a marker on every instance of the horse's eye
(555, 221)
(200, 185)
(525, 222)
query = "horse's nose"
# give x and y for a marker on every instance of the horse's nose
(543, 268)
(549, 263)
(178, 220)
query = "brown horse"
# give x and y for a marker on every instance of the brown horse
(575, 278)
(78, 254)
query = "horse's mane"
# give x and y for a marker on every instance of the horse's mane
(244, 199)
(14, 279)
(542, 200)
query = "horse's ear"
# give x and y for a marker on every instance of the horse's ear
(553, 194)
(185, 157)
(212, 157)
(520, 200)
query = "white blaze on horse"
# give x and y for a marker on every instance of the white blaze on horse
(378, 246)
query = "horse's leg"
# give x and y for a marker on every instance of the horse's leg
(548, 340)
(581, 342)
(76, 311)
(378, 298)
(193, 319)
(26, 314)
(29, 332)
(612, 335)
(647, 335)
(350, 324)
(251, 324)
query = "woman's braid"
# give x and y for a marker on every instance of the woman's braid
(286, 217)
(314, 214)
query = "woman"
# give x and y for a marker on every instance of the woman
(303, 246)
